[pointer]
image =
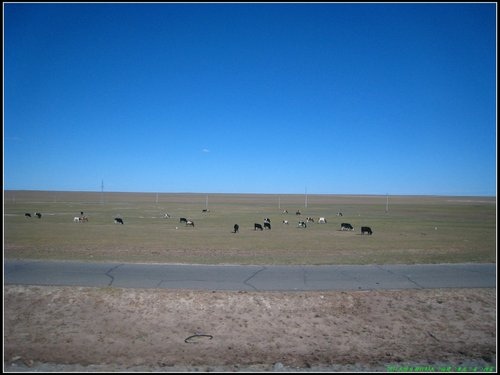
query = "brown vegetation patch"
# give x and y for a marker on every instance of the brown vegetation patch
(139, 327)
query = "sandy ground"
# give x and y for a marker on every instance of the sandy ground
(112, 329)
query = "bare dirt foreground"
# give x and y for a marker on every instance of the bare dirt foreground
(113, 329)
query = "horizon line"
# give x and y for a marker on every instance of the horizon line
(249, 193)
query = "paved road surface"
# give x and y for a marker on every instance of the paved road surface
(250, 278)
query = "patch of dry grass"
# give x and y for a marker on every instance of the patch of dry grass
(415, 230)
(133, 327)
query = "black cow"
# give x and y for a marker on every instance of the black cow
(257, 226)
(183, 220)
(302, 224)
(27, 215)
(298, 212)
(205, 210)
(346, 226)
(236, 228)
(267, 225)
(118, 220)
(38, 215)
(366, 230)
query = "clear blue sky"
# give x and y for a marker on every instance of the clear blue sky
(251, 98)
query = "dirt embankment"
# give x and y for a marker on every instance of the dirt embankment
(102, 329)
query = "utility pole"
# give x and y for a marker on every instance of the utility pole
(102, 191)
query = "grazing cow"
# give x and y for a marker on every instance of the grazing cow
(267, 220)
(236, 228)
(285, 221)
(85, 219)
(76, 219)
(118, 220)
(182, 220)
(267, 225)
(27, 215)
(339, 214)
(367, 230)
(257, 226)
(309, 219)
(190, 222)
(38, 215)
(302, 224)
(285, 211)
(166, 216)
(205, 210)
(321, 220)
(298, 212)
(346, 226)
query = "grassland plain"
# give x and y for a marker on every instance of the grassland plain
(53, 328)
(418, 229)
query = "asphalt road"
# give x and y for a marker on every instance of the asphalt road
(250, 278)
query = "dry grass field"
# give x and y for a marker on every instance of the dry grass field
(145, 330)
(414, 230)
(53, 328)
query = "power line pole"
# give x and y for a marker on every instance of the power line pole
(102, 191)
